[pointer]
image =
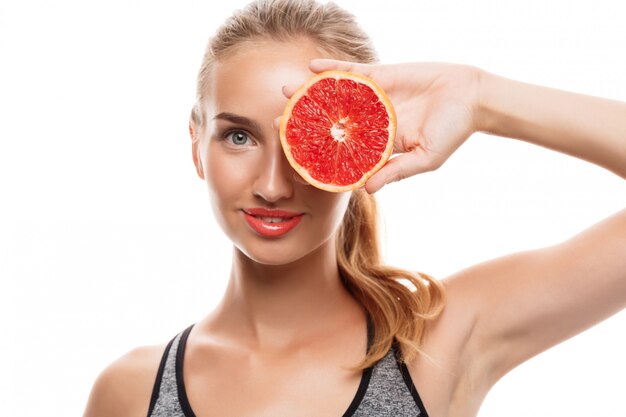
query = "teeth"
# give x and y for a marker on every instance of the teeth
(273, 219)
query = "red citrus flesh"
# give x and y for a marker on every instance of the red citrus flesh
(337, 130)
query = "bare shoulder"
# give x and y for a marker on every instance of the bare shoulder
(124, 387)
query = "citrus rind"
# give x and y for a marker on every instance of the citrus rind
(301, 92)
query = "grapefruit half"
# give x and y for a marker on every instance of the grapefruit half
(337, 130)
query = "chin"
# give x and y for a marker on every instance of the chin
(280, 251)
(272, 255)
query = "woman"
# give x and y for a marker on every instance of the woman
(311, 322)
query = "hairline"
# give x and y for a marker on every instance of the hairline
(258, 40)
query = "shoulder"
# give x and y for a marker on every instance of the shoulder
(124, 387)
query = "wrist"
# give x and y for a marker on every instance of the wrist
(483, 111)
(505, 107)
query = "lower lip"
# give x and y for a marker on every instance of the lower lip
(268, 229)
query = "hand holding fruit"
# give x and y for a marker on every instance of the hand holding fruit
(436, 106)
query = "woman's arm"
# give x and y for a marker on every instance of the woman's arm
(526, 302)
(590, 128)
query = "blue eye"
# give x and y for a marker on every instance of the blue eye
(237, 137)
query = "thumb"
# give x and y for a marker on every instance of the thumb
(402, 166)
(289, 90)
(276, 123)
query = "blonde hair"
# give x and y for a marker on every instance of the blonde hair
(396, 311)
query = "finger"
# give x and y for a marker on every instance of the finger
(372, 71)
(276, 123)
(400, 167)
(288, 90)
(320, 65)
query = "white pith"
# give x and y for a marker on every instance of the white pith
(338, 131)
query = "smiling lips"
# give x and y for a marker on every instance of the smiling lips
(272, 223)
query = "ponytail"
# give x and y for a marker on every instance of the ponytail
(396, 310)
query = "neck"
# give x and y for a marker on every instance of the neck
(282, 305)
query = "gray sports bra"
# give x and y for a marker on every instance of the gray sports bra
(386, 388)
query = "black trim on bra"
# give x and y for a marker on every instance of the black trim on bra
(360, 393)
(366, 375)
(180, 381)
(157, 382)
(184, 400)
(409, 381)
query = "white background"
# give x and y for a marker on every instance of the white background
(107, 241)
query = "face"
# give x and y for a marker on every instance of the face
(268, 212)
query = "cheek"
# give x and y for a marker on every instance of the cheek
(332, 206)
(228, 174)
(228, 178)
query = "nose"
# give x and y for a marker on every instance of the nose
(275, 179)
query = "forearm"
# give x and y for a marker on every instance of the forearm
(590, 128)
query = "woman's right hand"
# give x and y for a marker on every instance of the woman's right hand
(436, 106)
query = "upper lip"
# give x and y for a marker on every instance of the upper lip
(263, 212)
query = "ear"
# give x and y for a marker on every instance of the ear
(195, 143)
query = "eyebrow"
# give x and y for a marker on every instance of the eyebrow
(236, 119)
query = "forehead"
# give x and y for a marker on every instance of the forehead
(251, 78)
